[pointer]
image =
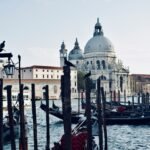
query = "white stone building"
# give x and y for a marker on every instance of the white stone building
(41, 76)
(99, 57)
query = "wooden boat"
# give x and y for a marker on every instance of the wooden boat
(6, 126)
(55, 111)
(79, 136)
(141, 120)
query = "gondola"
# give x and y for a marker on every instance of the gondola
(55, 111)
(6, 126)
(141, 120)
(79, 136)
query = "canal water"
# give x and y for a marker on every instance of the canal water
(119, 137)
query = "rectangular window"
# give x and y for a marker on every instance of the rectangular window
(47, 76)
(43, 76)
(36, 76)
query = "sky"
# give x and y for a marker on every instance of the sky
(35, 29)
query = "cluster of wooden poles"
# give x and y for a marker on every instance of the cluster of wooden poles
(23, 140)
(66, 103)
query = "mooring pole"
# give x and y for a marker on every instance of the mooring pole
(119, 96)
(125, 97)
(23, 139)
(78, 102)
(99, 109)
(11, 121)
(47, 118)
(34, 117)
(139, 98)
(1, 114)
(62, 98)
(104, 121)
(114, 95)
(88, 113)
(147, 97)
(132, 102)
(67, 108)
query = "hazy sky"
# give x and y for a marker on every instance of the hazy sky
(35, 29)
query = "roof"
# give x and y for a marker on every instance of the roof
(42, 67)
(142, 75)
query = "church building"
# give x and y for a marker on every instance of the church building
(100, 58)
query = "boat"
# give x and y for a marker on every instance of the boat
(55, 111)
(6, 126)
(79, 136)
(140, 120)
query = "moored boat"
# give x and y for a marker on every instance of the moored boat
(6, 125)
(55, 111)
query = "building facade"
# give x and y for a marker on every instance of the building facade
(41, 76)
(139, 83)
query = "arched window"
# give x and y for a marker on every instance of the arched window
(98, 65)
(103, 64)
(121, 83)
(103, 77)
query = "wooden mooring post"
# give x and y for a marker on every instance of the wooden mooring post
(138, 98)
(79, 102)
(34, 117)
(62, 97)
(99, 109)
(47, 147)
(119, 96)
(132, 102)
(114, 95)
(104, 121)
(23, 137)
(1, 114)
(125, 97)
(10, 115)
(88, 113)
(67, 108)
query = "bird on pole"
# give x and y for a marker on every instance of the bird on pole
(2, 45)
(68, 63)
(87, 75)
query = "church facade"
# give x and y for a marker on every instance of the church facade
(100, 58)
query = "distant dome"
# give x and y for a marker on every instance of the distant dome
(98, 43)
(76, 52)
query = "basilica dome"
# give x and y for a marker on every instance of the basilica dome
(98, 43)
(76, 52)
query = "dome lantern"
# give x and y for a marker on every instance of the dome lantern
(99, 43)
(98, 29)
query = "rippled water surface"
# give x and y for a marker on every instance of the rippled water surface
(119, 137)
